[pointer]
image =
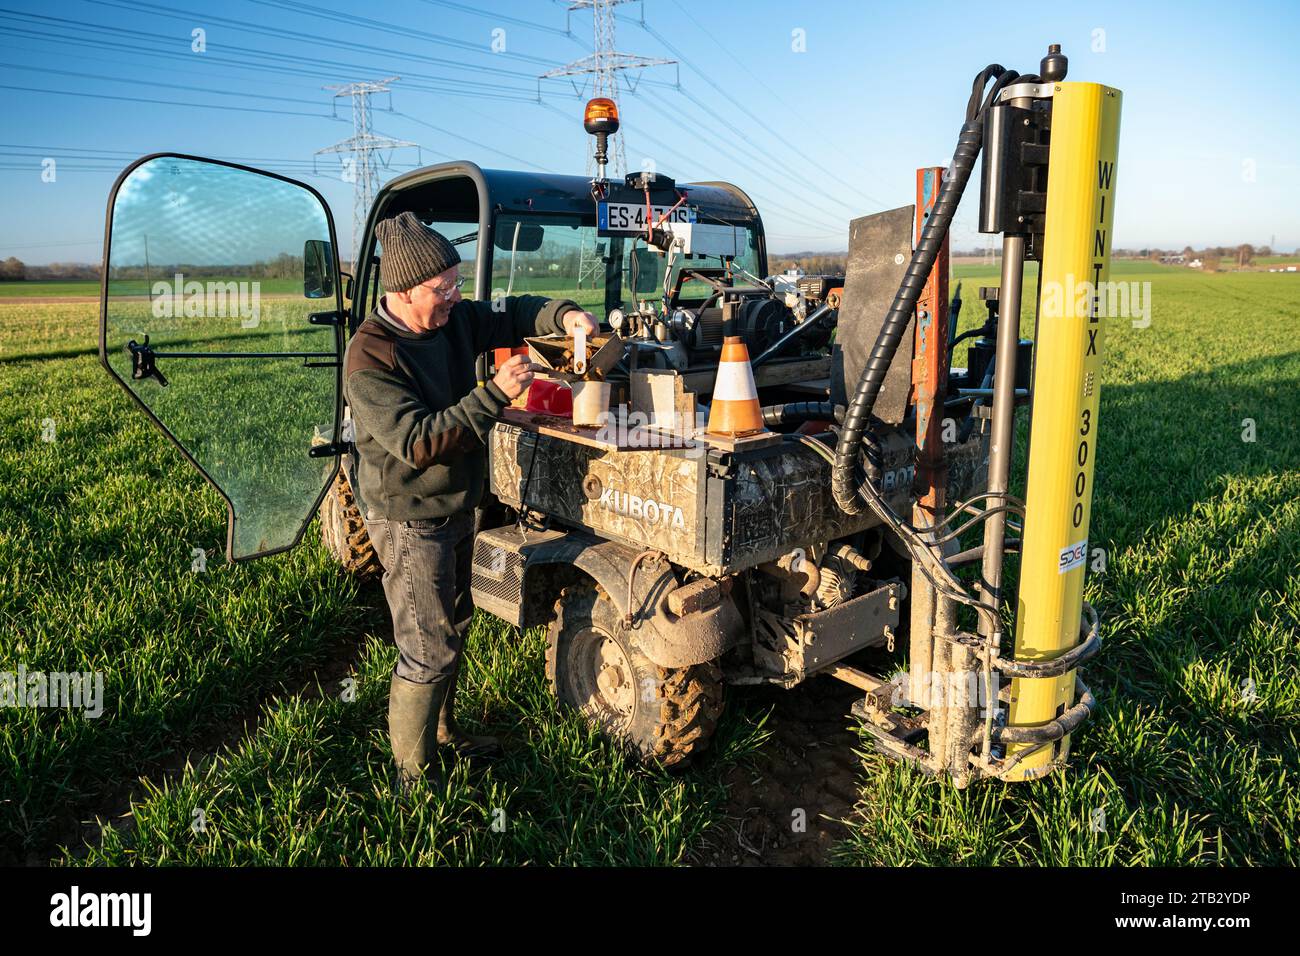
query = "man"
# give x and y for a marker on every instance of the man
(421, 425)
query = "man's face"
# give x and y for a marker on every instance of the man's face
(429, 304)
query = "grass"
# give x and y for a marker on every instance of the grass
(1201, 592)
(97, 529)
(224, 691)
(312, 786)
(42, 288)
(48, 287)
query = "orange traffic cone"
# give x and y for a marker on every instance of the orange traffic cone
(735, 410)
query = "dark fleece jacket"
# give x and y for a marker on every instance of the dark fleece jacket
(421, 423)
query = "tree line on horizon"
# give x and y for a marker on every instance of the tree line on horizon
(1212, 257)
(14, 269)
(283, 266)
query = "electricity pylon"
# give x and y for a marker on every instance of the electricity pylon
(604, 66)
(362, 170)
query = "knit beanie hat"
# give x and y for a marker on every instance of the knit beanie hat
(411, 252)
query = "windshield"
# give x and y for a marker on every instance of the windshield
(560, 257)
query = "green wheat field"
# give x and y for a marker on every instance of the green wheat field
(245, 706)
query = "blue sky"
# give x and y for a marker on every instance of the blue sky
(1209, 151)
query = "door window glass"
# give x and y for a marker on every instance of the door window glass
(212, 273)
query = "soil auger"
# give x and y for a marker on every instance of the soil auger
(1050, 150)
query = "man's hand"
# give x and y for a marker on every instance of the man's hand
(576, 317)
(514, 376)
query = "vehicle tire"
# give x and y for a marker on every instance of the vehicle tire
(666, 715)
(343, 531)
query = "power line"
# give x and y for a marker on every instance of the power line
(403, 115)
(41, 152)
(302, 72)
(477, 89)
(756, 77)
(157, 102)
(68, 149)
(486, 91)
(473, 142)
(604, 65)
(170, 41)
(502, 18)
(352, 19)
(530, 97)
(701, 132)
(525, 96)
(31, 45)
(172, 86)
(350, 45)
(757, 119)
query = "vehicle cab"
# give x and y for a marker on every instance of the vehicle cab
(225, 308)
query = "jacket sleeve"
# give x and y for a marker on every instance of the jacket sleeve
(506, 322)
(390, 410)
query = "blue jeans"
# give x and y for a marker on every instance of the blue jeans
(427, 582)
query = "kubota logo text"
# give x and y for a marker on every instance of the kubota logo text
(644, 509)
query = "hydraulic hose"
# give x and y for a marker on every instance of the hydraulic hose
(845, 475)
(796, 413)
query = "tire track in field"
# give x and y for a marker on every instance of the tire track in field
(785, 807)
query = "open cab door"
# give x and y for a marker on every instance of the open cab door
(221, 314)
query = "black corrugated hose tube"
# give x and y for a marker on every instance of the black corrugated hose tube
(849, 447)
(796, 413)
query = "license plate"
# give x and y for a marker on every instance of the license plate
(630, 218)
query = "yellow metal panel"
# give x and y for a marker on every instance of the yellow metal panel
(1067, 380)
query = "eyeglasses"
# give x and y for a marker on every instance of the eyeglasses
(457, 283)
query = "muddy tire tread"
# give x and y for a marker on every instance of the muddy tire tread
(690, 699)
(344, 533)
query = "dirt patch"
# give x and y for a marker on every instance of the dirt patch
(806, 774)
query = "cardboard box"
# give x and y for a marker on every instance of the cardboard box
(603, 353)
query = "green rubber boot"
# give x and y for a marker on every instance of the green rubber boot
(411, 707)
(464, 745)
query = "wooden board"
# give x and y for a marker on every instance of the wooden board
(820, 387)
(661, 396)
(746, 443)
(775, 372)
(630, 439)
